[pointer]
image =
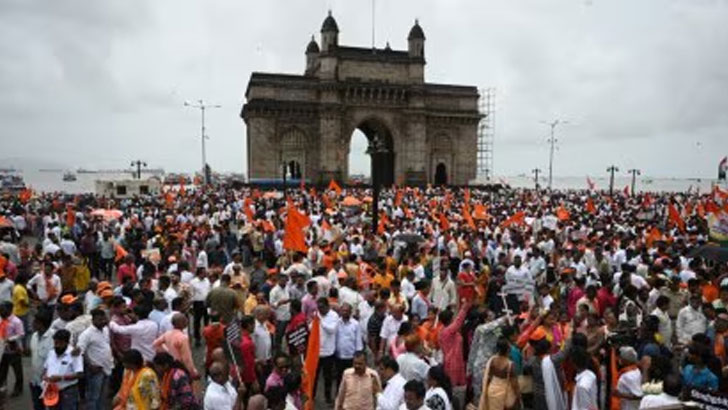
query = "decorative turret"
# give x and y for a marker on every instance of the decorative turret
(329, 34)
(416, 41)
(312, 53)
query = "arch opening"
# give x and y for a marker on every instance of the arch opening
(441, 174)
(378, 147)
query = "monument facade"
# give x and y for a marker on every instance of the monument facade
(418, 132)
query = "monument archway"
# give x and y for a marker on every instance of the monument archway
(441, 174)
(310, 118)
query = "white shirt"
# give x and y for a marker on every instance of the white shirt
(351, 297)
(200, 289)
(585, 392)
(408, 289)
(40, 346)
(219, 397)
(689, 322)
(186, 276)
(329, 323)
(40, 287)
(435, 393)
(411, 367)
(262, 341)
(202, 260)
(348, 339)
(630, 383)
(95, 344)
(390, 327)
(393, 395)
(63, 365)
(169, 295)
(143, 333)
(652, 401)
(277, 294)
(6, 290)
(443, 293)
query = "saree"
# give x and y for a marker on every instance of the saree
(139, 390)
(497, 392)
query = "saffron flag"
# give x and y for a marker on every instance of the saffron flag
(467, 197)
(25, 195)
(467, 217)
(120, 252)
(333, 186)
(614, 404)
(654, 236)
(70, 216)
(590, 206)
(711, 207)
(590, 183)
(248, 210)
(480, 212)
(517, 218)
(562, 214)
(398, 198)
(268, 226)
(293, 238)
(444, 223)
(674, 217)
(310, 364)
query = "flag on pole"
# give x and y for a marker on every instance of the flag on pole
(675, 218)
(293, 238)
(444, 223)
(517, 218)
(590, 206)
(333, 186)
(310, 364)
(562, 214)
(590, 183)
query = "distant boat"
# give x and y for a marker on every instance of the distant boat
(69, 177)
(11, 180)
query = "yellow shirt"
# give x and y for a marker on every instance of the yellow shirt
(250, 305)
(20, 301)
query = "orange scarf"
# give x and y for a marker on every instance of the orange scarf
(129, 381)
(166, 386)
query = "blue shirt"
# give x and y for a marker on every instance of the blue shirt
(701, 379)
(348, 339)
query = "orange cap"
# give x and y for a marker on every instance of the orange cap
(51, 395)
(68, 299)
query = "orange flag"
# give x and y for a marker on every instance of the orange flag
(333, 186)
(310, 364)
(688, 210)
(408, 214)
(711, 207)
(249, 211)
(326, 200)
(700, 209)
(467, 197)
(268, 226)
(613, 370)
(381, 226)
(590, 206)
(444, 223)
(517, 218)
(647, 201)
(480, 211)
(398, 198)
(70, 216)
(653, 236)
(467, 217)
(674, 217)
(293, 238)
(562, 214)
(25, 195)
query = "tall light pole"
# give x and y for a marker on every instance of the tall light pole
(376, 148)
(552, 140)
(634, 173)
(200, 105)
(612, 169)
(138, 164)
(536, 171)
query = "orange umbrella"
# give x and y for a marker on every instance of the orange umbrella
(350, 201)
(107, 214)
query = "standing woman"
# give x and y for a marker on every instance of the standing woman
(500, 382)
(176, 389)
(139, 387)
(439, 389)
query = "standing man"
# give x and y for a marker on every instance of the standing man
(41, 343)
(414, 396)
(64, 369)
(46, 285)
(280, 302)
(443, 293)
(348, 340)
(329, 324)
(142, 333)
(263, 342)
(200, 288)
(393, 395)
(95, 346)
(359, 386)
(12, 334)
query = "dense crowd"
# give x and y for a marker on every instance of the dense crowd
(224, 298)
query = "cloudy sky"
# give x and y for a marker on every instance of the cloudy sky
(99, 83)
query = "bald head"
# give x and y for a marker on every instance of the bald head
(179, 321)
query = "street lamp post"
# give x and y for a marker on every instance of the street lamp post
(138, 164)
(375, 149)
(536, 171)
(200, 105)
(612, 169)
(634, 173)
(552, 141)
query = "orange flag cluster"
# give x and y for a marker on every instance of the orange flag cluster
(310, 365)
(519, 218)
(293, 238)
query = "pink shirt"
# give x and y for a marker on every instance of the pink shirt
(177, 343)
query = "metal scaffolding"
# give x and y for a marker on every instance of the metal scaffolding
(486, 133)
